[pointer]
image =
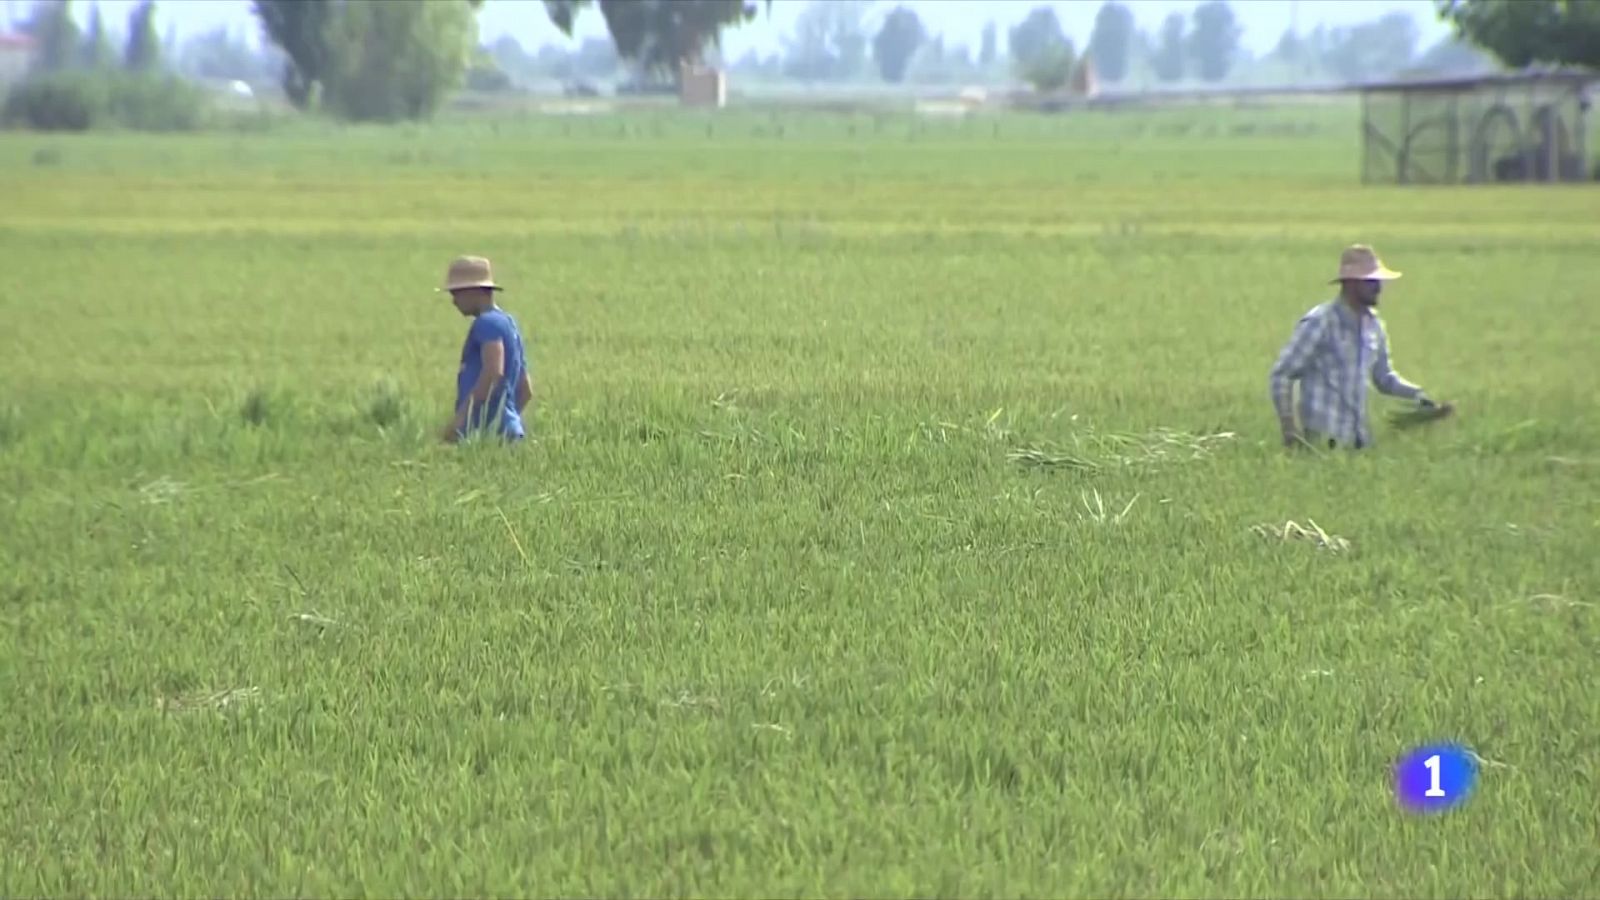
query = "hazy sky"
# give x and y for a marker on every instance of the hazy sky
(961, 21)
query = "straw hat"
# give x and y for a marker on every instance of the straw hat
(469, 272)
(1359, 263)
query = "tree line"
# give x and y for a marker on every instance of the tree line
(383, 60)
(63, 46)
(80, 78)
(830, 43)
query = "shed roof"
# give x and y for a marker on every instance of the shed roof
(1576, 78)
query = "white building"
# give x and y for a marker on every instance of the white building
(702, 86)
(16, 56)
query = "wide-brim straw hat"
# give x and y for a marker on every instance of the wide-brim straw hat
(469, 272)
(1360, 263)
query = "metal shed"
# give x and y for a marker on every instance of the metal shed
(1517, 127)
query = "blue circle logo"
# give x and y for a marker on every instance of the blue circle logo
(1435, 778)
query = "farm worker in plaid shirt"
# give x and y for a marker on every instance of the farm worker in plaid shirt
(1335, 348)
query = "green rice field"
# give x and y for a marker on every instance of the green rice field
(903, 515)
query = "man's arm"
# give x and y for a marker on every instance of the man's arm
(524, 391)
(1386, 379)
(1291, 365)
(493, 355)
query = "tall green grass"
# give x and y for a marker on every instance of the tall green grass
(904, 515)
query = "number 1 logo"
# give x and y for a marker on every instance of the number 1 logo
(1435, 778)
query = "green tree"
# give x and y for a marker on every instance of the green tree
(97, 52)
(1291, 48)
(1035, 36)
(1051, 68)
(144, 44)
(936, 63)
(217, 54)
(1168, 59)
(659, 35)
(1214, 40)
(1521, 33)
(389, 61)
(299, 28)
(1041, 51)
(1111, 42)
(1296, 53)
(306, 32)
(484, 73)
(53, 28)
(829, 41)
(897, 41)
(1454, 56)
(1372, 50)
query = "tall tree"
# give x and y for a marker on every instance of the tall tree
(1111, 42)
(144, 43)
(659, 35)
(336, 47)
(1168, 59)
(897, 41)
(1035, 35)
(299, 28)
(1314, 47)
(1294, 51)
(1372, 50)
(1291, 47)
(596, 58)
(1454, 56)
(56, 33)
(1214, 40)
(97, 52)
(939, 63)
(829, 41)
(218, 54)
(1041, 51)
(392, 61)
(1522, 32)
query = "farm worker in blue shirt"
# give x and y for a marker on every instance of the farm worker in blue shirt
(1335, 348)
(493, 386)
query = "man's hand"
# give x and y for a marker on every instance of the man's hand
(452, 432)
(1432, 406)
(1291, 435)
(524, 391)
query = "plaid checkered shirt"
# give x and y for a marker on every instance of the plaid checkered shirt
(1332, 352)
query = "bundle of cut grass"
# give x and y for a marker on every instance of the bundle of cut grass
(1292, 530)
(1039, 458)
(1420, 414)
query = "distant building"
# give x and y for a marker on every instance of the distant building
(16, 56)
(702, 86)
(1085, 80)
(1522, 126)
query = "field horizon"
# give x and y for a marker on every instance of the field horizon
(903, 514)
